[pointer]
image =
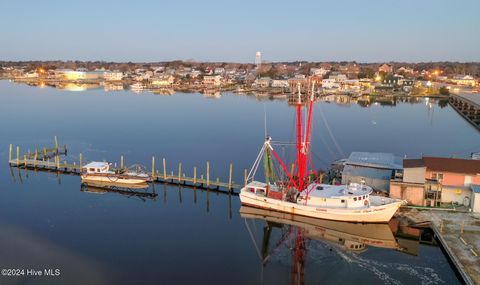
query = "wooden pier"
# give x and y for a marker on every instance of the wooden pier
(50, 159)
(467, 105)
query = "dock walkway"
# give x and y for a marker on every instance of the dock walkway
(467, 105)
(49, 159)
(458, 233)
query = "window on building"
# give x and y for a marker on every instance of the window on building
(437, 176)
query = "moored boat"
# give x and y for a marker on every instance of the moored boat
(300, 191)
(99, 172)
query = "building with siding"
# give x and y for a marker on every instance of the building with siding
(436, 181)
(375, 168)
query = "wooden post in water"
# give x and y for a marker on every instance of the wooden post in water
(81, 160)
(153, 166)
(179, 172)
(121, 161)
(18, 154)
(35, 159)
(56, 143)
(25, 161)
(58, 161)
(230, 177)
(208, 173)
(164, 169)
(44, 153)
(10, 154)
(194, 175)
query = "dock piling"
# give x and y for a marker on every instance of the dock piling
(81, 161)
(10, 154)
(230, 177)
(164, 169)
(179, 172)
(208, 173)
(153, 166)
(194, 176)
(18, 155)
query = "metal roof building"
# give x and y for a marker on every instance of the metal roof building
(375, 168)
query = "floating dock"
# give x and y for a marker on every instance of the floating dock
(49, 159)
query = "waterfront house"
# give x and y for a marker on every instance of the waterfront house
(77, 75)
(113, 75)
(162, 80)
(338, 77)
(262, 82)
(212, 80)
(329, 83)
(298, 80)
(219, 71)
(405, 70)
(385, 68)
(376, 169)
(466, 80)
(319, 71)
(436, 181)
(280, 83)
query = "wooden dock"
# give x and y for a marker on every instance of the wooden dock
(468, 106)
(50, 159)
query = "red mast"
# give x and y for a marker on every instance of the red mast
(303, 140)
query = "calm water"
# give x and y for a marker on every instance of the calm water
(187, 236)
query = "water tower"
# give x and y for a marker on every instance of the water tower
(258, 58)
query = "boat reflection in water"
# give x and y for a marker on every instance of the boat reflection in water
(298, 231)
(141, 191)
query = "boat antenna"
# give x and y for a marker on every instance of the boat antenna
(265, 119)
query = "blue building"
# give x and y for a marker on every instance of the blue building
(375, 168)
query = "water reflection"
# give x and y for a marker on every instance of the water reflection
(304, 238)
(142, 192)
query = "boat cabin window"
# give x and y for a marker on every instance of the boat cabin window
(343, 201)
(319, 187)
(261, 191)
(251, 189)
(91, 169)
(354, 198)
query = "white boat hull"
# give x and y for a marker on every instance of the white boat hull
(371, 214)
(112, 179)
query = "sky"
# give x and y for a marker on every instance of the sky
(205, 30)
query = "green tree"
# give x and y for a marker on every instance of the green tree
(444, 90)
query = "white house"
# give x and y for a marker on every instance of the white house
(212, 80)
(113, 75)
(330, 83)
(280, 83)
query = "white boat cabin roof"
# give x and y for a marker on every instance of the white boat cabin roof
(96, 164)
(327, 190)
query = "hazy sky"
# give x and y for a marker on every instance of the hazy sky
(142, 30)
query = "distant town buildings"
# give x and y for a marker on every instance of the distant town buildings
(212, 80)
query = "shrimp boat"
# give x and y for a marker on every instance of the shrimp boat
(299, 190)
(99, 172)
